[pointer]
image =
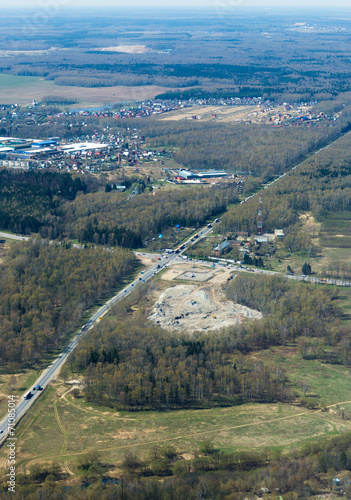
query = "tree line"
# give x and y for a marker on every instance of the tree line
(114, 218)
(45, 290)
(59, 206)
(26, 197)
(133, 364)
(321, 185)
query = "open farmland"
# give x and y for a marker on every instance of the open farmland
(332, 240)
(23, 89)
(231, 114)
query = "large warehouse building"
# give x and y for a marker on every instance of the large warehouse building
(187, 175)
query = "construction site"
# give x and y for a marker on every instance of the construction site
(192, 298)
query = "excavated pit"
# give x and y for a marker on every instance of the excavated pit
(190, 308)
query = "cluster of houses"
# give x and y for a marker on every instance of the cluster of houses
(244, 243)
(85, 153)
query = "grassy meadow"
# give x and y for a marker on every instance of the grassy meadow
(62, 426)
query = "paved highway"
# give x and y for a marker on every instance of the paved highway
(14, 237)
(50, 373)
(298, 277)
(47, 376)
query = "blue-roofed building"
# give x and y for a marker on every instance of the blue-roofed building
(44, 144)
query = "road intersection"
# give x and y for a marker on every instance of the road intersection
(51, 372)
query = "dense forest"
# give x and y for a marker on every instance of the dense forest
(45, 291)
(112, 218)
(321, 185)
(27, 196)
(59, 206)
(134, 364)
(256, 149)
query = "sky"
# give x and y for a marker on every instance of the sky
(208, 4)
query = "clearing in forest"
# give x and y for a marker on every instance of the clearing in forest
(231, 114)
(190, 307)
(127, 49)
(23, 89)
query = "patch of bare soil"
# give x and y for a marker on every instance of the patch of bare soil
(127, 49)
(231, 114)
(146, 261)
(191, 308)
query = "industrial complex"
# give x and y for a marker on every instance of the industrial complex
(187, 175)
(89, 155)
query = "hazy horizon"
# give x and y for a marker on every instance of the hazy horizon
(55, 5)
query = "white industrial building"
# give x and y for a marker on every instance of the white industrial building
(82, 146)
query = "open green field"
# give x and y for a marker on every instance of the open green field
(14, 385)
(61, 427)
(332, 239)
(336, 226)
(23, 89)
(326, 256)
(328, 384)
(335, 233)
(14, 82)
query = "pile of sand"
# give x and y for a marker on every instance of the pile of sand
(189, 307)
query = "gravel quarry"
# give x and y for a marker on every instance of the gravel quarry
(192, 307)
